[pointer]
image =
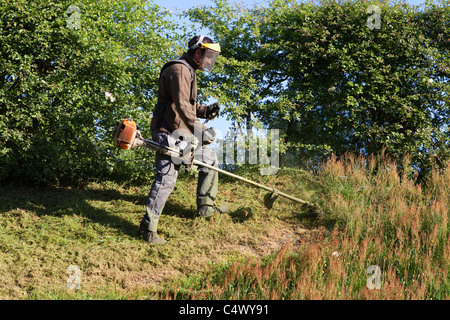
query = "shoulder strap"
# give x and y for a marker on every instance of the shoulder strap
(190, 69)
(182, 62)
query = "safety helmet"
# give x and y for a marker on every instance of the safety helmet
(212, 51)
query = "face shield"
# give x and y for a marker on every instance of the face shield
(209, 59)
(212, 51)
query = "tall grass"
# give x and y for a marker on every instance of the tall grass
(379, 217)
(375, 217)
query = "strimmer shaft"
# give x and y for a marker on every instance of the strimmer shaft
(176, 154)
(282, 194)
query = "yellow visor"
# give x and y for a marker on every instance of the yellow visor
(212, 46)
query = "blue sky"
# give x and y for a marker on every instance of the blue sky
(176, 6)
(183, 4)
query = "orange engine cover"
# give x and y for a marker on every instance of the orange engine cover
(125, 134)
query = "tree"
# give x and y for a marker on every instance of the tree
(67, 73)
(334, 82)
(239, 78)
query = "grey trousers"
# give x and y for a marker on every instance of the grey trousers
(167, 173)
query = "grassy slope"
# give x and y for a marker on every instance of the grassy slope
(382, 221)
(372, 218)
(43, 232)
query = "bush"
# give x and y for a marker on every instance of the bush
(65, 80)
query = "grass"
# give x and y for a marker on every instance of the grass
(374, 216)
(44, 231)
(379, 218)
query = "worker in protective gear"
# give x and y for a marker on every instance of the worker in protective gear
(177, 111)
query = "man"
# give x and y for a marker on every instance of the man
(175, 119)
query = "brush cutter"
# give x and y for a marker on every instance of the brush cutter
(126, 136)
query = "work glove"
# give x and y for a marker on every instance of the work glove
(212, 111)
(208, 136)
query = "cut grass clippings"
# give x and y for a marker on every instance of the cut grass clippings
(45, 231)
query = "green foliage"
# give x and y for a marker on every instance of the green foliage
(238, 79)
(315, 70)
(332, 83)
(65, 81)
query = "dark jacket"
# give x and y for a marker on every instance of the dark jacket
(177, 106)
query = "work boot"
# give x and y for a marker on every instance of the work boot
(207, 211)
(153, 238)
(148, 232)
